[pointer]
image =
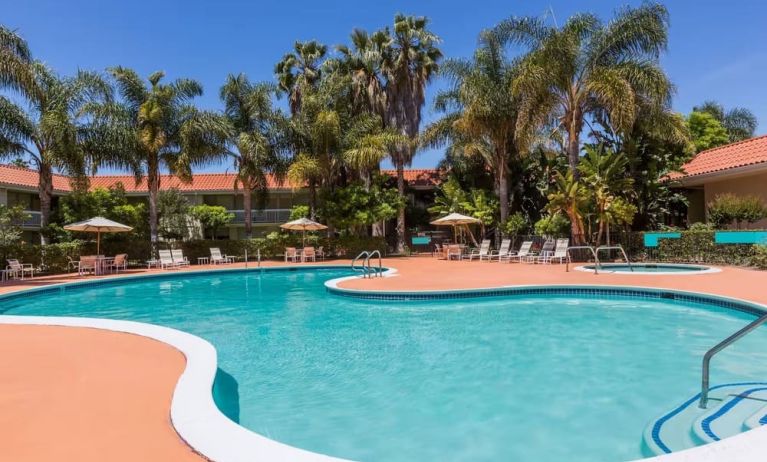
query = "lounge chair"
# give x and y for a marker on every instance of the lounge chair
(291, 254)
(178, 257)
(503, 251)
(216, 257)
(523, 252)
(546, 250)
(560, 252)
(16, 269)
(308, 253)
(166, 259)
(454, 252)
(87, 264)
(483, 253)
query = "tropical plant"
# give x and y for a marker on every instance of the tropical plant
(53, 133)
(357, 206)
(155, 126)
(11, 219)
(588, 67)
(211, 217)
(16, 71)
(257, 139)
(552, 225)
(727, 208)
(706, 131)
(299, 70)
(570, 197)
(450, 198)
(739, 122)
(173, 215)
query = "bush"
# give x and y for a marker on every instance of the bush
(553, 225)
(759, 259)
(700, 247)
(727, 208)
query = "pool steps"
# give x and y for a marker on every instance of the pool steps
(732, 409)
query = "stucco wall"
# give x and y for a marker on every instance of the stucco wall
(745, 185)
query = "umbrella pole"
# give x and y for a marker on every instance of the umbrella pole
(98, 242)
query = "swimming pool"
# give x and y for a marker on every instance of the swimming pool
(543, 375)
(650, 268)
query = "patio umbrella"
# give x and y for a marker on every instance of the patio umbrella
(303, 224)
(454, 220)
(98, 225)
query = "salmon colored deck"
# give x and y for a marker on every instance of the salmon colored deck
(89, 395)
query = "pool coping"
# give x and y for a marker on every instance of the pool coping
(199, 422)
(604, 268)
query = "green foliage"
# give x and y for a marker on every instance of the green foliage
(356, 207)
(11, 219)
(706, 131)
(211, 217)
(299, 211)
(727, 208)
(449, 199)
(515, 225)
(759, 259)
(552, 225)
(739, 122)
(700, 247)
(173, 209)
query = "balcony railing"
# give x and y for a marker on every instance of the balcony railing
(262, 216)
(33, 219)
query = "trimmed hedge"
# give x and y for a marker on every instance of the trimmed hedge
(699, 247)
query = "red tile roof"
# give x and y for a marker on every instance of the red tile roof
(741, 154)
(201, 182)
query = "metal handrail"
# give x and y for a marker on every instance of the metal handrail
(378, 272)
(616, 247)
(704, 387)
(363, 268)
(596, 258)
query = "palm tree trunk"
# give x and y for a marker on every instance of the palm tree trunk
(153, 183)
(401, 211)
(247, 213)
(574, 142)
(503, 190)
(45, 193)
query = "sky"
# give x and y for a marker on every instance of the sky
(716, 49)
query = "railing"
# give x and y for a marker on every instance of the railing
(704, 385)
(367, 269)
(33, 220)
(593, 252)
(613, 247)
(262, 216)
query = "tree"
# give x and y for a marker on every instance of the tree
(111, 203)
(155, 126)
(16, 71)
(357, 206)
(570, 197)
(173, 215)
(300, 70)
(11, 219)
(53, 132)
(740, 123)
(588, 67)
(256, 139)
(706, 131)
(211, 217)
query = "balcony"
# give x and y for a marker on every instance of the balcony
(33, 219)
(266, 216)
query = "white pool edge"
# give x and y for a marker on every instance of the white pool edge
(605, 268)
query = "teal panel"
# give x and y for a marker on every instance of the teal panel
(420, 240)
(651, 239)
(740, 237)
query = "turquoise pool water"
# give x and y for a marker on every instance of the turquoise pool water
(533, 378)
(649, 268)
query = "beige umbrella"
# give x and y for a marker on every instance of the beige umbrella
(98, 225)
(303, 224)
(455, 220)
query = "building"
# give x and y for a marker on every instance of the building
(738, 168)
(18, 186)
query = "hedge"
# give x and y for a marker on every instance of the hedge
(699, 247)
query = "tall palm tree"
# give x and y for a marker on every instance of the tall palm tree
(155, 126)
(483, 114)
(740, 122)
(570, 197)
(299, 70)
(15, 62)
(256, 138)
(587, 67)
(53, 132)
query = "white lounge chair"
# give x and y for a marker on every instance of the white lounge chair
(560, 252)
(166, 259)
(523, 252)
(16, 269)
(546, 250)
(483, 253)
(216, 257)
(503, 251)
(178, 257)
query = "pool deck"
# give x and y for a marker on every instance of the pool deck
(91, 395)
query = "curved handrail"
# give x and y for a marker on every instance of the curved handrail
(593, 252)
(363, 268)
(704, 387)
(616, 247)
(379, 271)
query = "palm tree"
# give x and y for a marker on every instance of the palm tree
(409, 64)
(155, 126)
(740, 122)
(587, 67)
(569, 197)
(483, 114)
(15, 62)
(299, 70)
(256, 138)
(53, 132)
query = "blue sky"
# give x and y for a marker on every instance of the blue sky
(716, 49)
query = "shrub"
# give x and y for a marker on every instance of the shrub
(759, 259)
(553, 225)
(700, 247)
(727, 208)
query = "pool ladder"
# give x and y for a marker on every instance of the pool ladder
(367, 267)
(595, 253)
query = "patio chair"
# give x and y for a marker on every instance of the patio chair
(16, 269)
(454, 252)
(438, 252)
(560, 251)
(120, 262)
(320, 253)
(483, 253)
(291, 254)
(216, 257)
(178, 257)
(546, 250)
(503, 251)
(523, 252)
(308, 253)
(87, 264)
(166, 259)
